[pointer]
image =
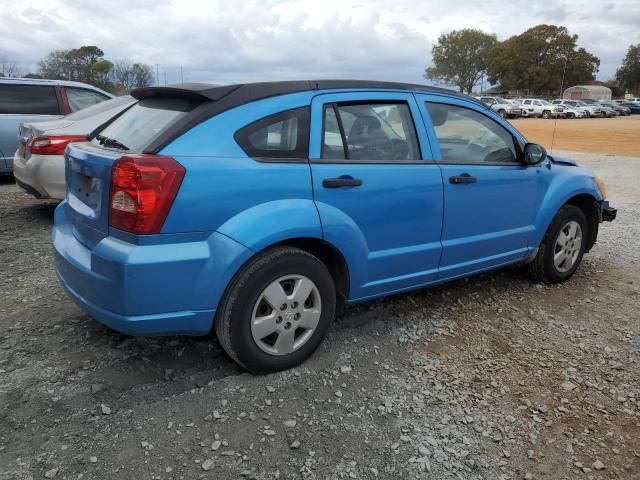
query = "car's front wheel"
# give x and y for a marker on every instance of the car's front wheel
(502, 113)
(277, 310)
(562, 247)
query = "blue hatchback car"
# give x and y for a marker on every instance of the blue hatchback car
(258, 210)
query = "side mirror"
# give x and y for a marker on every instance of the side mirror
(533, 154)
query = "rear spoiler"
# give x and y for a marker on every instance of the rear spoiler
(195, 91)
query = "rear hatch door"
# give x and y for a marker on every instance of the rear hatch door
(88, 175)
(88, 165)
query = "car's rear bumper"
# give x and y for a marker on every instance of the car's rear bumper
(40, 175)
(148, 289)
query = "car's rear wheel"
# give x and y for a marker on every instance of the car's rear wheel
(277, 310)
(502, 113)
(562, 247)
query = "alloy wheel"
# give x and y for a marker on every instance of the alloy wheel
(567, 247)
(286, 314)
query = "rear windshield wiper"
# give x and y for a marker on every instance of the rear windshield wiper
(111, 142)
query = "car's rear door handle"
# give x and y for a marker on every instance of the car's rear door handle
(341, 182)
(464, 178)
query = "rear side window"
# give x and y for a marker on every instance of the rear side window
(284, 135)
(382, 132)
(28, 100)
(80, 98)
(139, 126)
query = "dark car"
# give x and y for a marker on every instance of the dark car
(633, 106)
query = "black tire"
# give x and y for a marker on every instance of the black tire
(233, 318)
(546, 114)
(502, 113)
(542, 268)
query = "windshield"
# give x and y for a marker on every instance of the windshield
(501, 100)
(142, 123)
(118, 102)
(545, 102)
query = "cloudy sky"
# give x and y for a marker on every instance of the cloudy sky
(235, 41)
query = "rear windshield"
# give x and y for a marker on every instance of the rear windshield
(135, 129)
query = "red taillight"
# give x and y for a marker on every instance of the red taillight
(143, 188)
(53, 145)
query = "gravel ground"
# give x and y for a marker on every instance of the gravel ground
(494, 377)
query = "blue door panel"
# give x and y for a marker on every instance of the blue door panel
(491, 222)
(394, 217)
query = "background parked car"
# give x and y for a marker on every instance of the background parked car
(26, 100)
(502, 107)
(572, 110)
(633, 107)
(38, 165)
(542, 108)
(594, 110)
(572, 106)
(618, 108)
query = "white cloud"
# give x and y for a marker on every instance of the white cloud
(238, 41)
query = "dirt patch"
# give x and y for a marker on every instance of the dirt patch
(612, 136)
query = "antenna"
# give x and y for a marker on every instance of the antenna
(555, 121)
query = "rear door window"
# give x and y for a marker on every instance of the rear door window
(139, 126)
(28, 100)
(80, 98)
(370, 132)
(284, 135)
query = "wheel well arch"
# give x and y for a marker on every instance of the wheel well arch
(330, 256)
(589, 206)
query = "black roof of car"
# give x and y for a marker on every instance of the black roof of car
(215, 99)
(238, 94)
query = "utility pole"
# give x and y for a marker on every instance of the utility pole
(157, 77)
(165, 78)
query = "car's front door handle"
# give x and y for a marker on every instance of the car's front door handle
(341, 182)
(464, 178)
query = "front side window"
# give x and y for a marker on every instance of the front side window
(80, 98)
(369, 132)
(284, 135)
(18, 99)
(467, 136)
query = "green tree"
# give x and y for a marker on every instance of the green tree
(84, 64)
(543, 60)
(127, 76)
(628, 75)
(460, 58)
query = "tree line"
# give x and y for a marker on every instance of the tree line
(543, 60)
(88, 65)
